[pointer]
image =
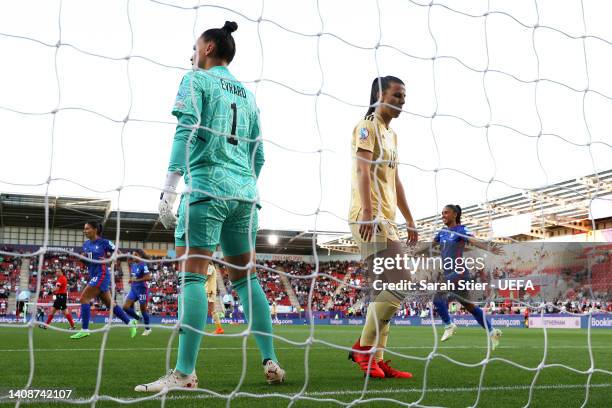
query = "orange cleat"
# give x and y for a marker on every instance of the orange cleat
(219, 330)
(366, 361)
(391, 372)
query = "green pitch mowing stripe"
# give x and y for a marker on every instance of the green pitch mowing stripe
(331, 377)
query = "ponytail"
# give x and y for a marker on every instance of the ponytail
(225, 46)
(458, 211)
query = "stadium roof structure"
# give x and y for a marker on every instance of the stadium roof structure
(562, 205)
(20, 210)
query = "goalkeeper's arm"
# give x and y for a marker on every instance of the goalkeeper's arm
(185, 132)
(256, 152)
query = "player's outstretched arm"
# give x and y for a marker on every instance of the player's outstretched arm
(492, 247)
(145, 278)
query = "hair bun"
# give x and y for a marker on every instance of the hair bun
(230, 26)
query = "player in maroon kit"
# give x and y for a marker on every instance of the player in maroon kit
(61, 299)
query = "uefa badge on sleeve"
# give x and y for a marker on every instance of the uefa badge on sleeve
(363, 133)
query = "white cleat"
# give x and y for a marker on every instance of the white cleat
(495, 336)
(146, 332)
(274, 373)
(449, 331)
(172, 380)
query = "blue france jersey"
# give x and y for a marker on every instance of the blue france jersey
(452, 243)
(138, 271)
(97, 250)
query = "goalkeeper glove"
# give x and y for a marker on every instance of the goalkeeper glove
(167, 199)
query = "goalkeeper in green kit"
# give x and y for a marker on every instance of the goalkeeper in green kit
(216, 148)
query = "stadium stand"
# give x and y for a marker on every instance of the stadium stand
(9, 278)
(329, 296)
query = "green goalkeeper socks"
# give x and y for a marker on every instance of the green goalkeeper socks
(261, 319)
(193, 309)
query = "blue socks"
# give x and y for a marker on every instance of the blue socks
(131, 312)
(479, 316)
(145, 317)
(441, 306)
(260, 309)
(118, 311)
(193, 309)
(85, 312)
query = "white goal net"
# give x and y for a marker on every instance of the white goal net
(502, 97)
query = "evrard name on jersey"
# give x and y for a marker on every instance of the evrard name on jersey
(233, 88)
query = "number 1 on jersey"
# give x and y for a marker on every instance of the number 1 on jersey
(232, 139)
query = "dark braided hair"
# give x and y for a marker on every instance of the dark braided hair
(384, 83)
(141, 253)
(457, 210)
(225, 47)
(95, 225)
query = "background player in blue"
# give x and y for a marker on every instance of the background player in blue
(139, 291)
(217, 148)
(100, 275)
(452, 240)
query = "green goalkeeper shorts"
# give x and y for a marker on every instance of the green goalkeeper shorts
(213, 222)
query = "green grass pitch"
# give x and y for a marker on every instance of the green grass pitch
(62, 363)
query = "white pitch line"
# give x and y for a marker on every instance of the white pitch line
(438, 390)
(419, 390)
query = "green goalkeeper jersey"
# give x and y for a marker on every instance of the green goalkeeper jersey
(223, 156)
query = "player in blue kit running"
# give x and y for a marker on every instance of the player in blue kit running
(139, 291)
(218, 150)
(452, 240)
(97, 248)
